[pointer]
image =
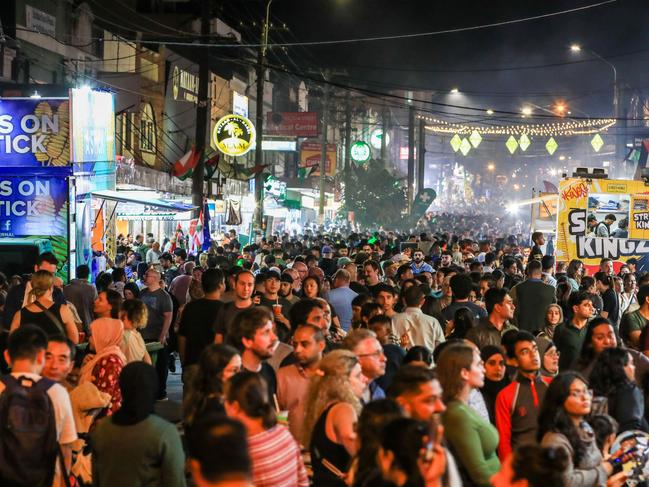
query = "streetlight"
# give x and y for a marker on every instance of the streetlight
(526, 111)
(490, 111)
(454, 91)
(576, 48)
(491, 166)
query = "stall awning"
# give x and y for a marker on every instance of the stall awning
(129, 197)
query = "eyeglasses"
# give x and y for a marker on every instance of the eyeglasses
(553, 353)
(377, 354)
(581, 394)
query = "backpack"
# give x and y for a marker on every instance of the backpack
(28, 441)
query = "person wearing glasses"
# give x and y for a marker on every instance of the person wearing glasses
(518, 404)
(562, 424)
(369, 352)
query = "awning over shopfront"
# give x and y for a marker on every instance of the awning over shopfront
(129, 197)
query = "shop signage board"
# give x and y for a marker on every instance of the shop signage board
(93, 125)
(293, 124)
(310, 152)
(34, 132)
(360, 151)
(233, 135)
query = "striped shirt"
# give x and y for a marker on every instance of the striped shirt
(276, 459)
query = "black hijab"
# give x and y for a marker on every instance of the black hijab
(139, 385)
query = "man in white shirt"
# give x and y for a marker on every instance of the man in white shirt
(422, 330)
(26, 355)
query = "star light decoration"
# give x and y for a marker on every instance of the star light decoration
(597, 142)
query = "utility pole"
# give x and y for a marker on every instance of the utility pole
(259, 122)
(198, 176)
(421, 155)
(348, 139)
(384, 135)
(323, 150)
(411, 154)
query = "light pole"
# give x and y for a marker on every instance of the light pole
(576, 48)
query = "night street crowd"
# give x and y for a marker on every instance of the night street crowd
(447, 357)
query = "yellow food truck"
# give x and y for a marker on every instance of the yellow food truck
(601, 218)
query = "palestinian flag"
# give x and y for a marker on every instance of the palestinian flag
(184, 167)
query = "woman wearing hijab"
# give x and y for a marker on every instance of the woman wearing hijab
(495, 378)
(104, 367)
(149, 449)
(549, 356)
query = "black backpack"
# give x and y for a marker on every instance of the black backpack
(28, 441)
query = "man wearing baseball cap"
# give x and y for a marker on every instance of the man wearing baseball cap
(327, 263)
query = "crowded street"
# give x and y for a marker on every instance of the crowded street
(334, 243)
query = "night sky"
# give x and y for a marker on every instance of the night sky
(486, 64)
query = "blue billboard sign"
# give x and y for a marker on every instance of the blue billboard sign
(33, 206)
(93, 126)
(34, 132)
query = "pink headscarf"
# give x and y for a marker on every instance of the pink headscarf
(106, 335)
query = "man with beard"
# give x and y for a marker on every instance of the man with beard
(518, 404)
(286, 291)
(419, 265)
(244, 285)
(293, 380)
(254, 336)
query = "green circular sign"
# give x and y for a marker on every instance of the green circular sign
(360, 151)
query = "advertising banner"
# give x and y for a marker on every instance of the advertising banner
(34, 132)
(310, 153)
(36, 208)
(294, 124)
(93, 126)
(582, 232)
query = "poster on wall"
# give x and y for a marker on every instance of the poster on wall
(310, 152)
(34, 132)
(36, 208)
(93, 126)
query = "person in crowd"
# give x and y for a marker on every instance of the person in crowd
(204, 394)
(530, 295)
(372, 275)
(495, 379)
(332, 408)
(311, 287)
(473, 440)
(370, 355)
(461, 286)
(197, 322)
(108, 304)
(418, 391)
(613, 377)
(381, 325)
(244, 285)
(20, 295)
(549, 356)
(459, 326)
(420, 356)
(119, 280)
(134, 315)
(131, 291)
(82, 295)
(336, 333)
(34, 456)
(629, 295)
(632, 324)
(217, 448)
(293, 380)
(611, 304)
(574, 273)
(553, 318)
(533, 466)
(518, 405)
(272, 300)
(418, 264)
(59, 360)
(421, 329)
(160, 310)
(547, 268)
(569, 336)
(605, 429)
(153, 254)
(500, 307)
(180, 284)
(105, 365)
(341, 297)
(374, 417)
(253, 335)
(150, 451)
(274, 453)
(411, 455)
(589, 286)
(327, 263)
(42, 311)
(286, 290)
(563, 425)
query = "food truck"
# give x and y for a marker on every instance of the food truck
(585, 202)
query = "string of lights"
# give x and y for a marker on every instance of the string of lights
(555, 129)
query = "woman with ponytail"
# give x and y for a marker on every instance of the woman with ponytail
(275, 455)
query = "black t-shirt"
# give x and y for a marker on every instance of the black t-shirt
(611, 305)
(373, 289)
(224, 317)
(197, 326)
(358, 288)
(268, 373)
